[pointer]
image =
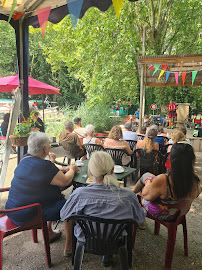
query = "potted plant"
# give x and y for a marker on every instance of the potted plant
(21, 134)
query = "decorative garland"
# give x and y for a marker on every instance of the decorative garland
(156, 68)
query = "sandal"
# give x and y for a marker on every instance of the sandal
(54, 236)
(68, 252)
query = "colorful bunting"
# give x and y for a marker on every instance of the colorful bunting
(176, 77)
(162, 71)
(118, 4)
(16, 16)
(43, 15)
(183, 76)
(4, 1)
(14, 4)
(156, 68)
(177, 73)
(164, 67)
(167, 75)
(194, 75)
(74, 7)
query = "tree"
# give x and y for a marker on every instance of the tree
(102, 51)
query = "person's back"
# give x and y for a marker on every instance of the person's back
(148, 143)
(103, 198)
(128, 134)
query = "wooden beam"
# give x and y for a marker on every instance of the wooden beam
(154, 84)
(170, 59)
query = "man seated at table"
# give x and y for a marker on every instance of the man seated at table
(128, 134)
(69, 139)
(103, 198)
(79, 130)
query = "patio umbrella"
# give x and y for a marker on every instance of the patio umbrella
(8, 83)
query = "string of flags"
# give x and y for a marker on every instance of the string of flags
(74, 7)
(156, 67)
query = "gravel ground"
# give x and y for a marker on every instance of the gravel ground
(19, 252)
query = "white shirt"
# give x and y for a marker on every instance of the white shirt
(129, 135)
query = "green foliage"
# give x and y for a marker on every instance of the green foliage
(98, 59)
(22, 129)
(97, 116)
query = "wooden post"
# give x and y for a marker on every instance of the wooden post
(142, 84)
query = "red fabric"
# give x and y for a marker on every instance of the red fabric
(8, 83)
(172, 108)
(167, 164)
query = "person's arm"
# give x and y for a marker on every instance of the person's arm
(63, 180)
(154, 188)
(98, 141)
(127, 148)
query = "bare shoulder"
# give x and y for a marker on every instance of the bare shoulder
(160, 180)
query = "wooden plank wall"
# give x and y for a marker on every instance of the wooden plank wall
(196, 143)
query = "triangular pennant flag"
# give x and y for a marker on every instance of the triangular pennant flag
(156, 68)
(17, 15)
(164, 67)
(43, 15)
(162, 71)
(118, 4)
(176, 77)
(14, 4)
(4, 1)
(74, 7)
(150, 66)
(183, 76)
(167, 75)
(194, 75)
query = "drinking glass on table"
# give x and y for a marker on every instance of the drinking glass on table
(84, 171)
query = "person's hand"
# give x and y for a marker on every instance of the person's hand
(74, 168)
(149, 179)
(65, 169)
(52, 156)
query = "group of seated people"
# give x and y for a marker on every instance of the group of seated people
(75, 137)
(37, 180)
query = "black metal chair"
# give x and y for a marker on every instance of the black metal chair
(117, 155)
(132, 144)
(90, 148)
(149, 162)
(103, 237)
(71, 151)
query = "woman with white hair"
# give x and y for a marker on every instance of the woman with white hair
(37, 180)
(103, 198)
(89, 139)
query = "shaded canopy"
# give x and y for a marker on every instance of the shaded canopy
(8, 83)
(59, 8)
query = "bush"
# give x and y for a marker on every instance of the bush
(97, 116)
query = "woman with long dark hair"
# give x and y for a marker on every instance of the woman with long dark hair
(164, 195)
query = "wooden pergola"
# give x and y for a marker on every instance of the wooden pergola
(176, 63)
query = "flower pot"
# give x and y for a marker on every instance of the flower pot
(18, 141)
